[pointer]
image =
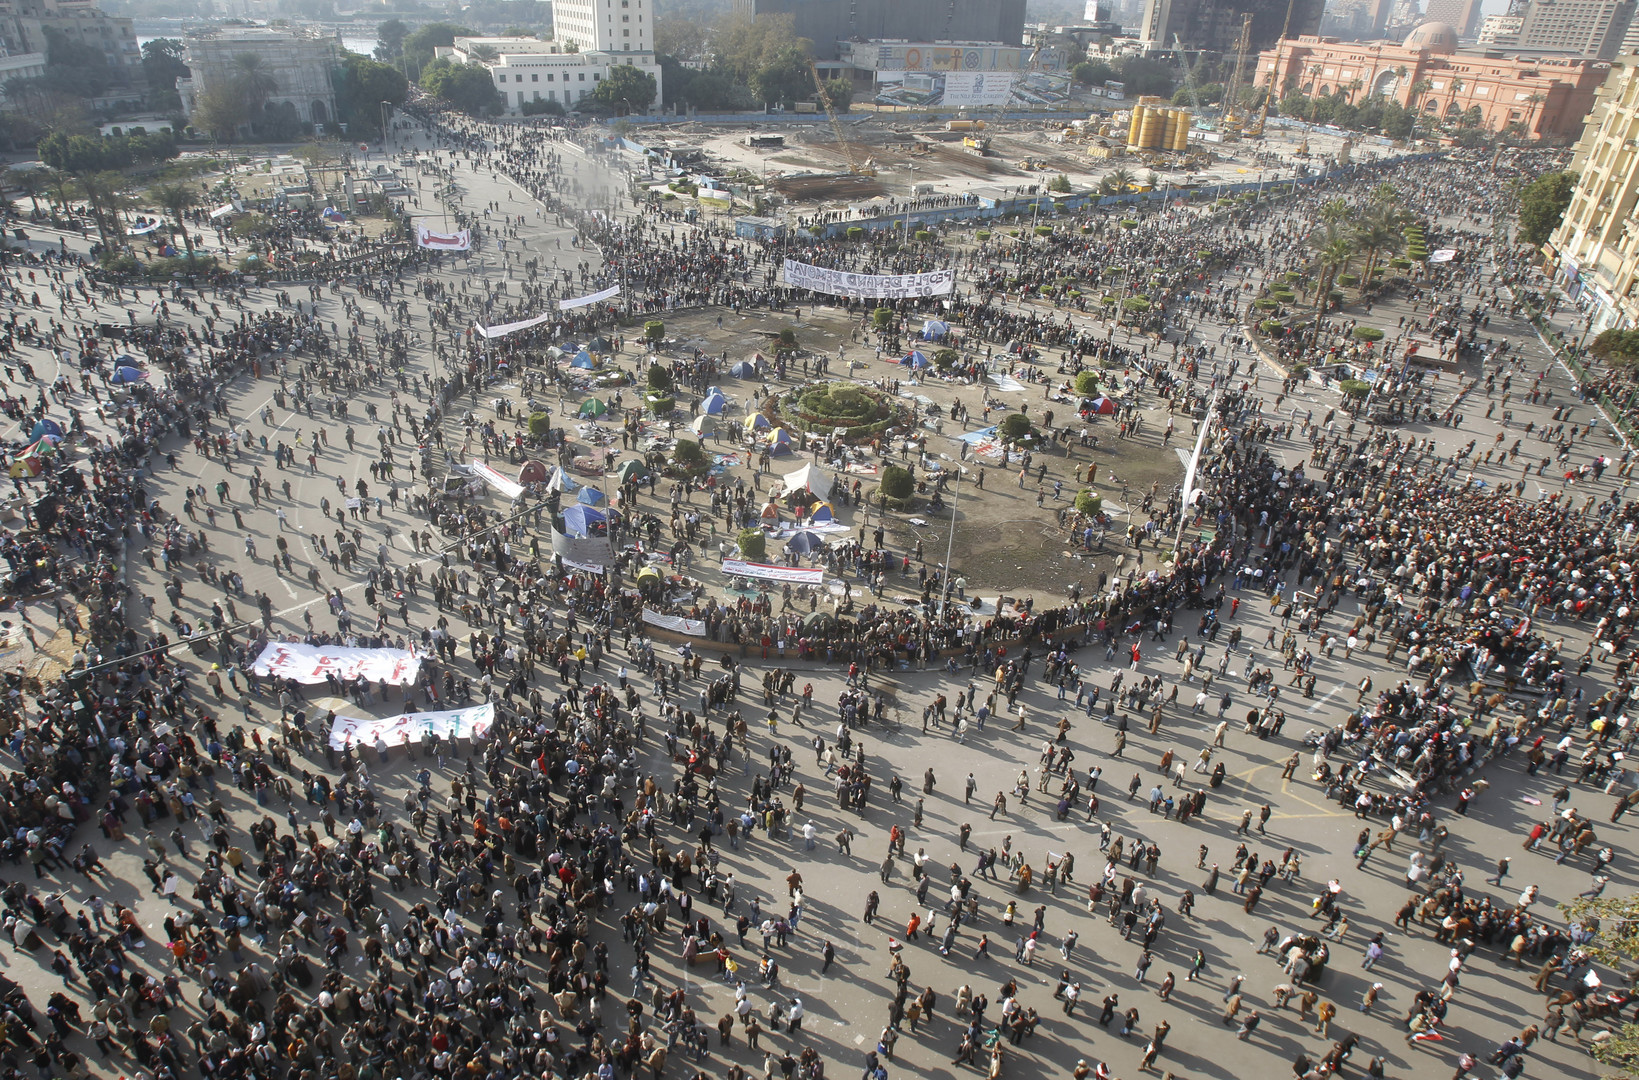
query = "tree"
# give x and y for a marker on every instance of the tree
(841, 93)
(1094, 73)
(883, 318)
(1619, 347)
(627, 86)
(1542, 204)
(253, 79)
(162, 66)
(1089, 503)
(468, 87)
(753, 544)
(1380, 232)
(896, 487)
(419, 44)
(220, 112)
(1059, 183)
(362, 85)
(1418, 89)
(30, 182)
(785, 79)
(101, 191)
(686, 39)
(744, 46)
(176, 199)
(1014, 427)
(1116, 182)
(390, 37)
(1087, 384)
(1334, 249)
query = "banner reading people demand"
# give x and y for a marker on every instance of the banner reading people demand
(473, 723)
(311, 663)
(820, 279)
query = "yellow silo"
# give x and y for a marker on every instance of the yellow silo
(1155, 125)
(1136, 127)
(1169, 133)
(1180, 141)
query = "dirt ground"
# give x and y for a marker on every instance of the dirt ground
(1004, 543)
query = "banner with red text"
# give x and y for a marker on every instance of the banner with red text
(456, 241)
(311, 663)
(473, 723)
(768, 572)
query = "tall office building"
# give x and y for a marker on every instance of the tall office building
(1585, 27)
(1462, 15)
(826, 22)
(25, 24)
(1216, 24)
(605, 25)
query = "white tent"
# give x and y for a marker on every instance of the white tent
(812, 477)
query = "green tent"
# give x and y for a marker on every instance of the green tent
(593, 407)
(631, 470)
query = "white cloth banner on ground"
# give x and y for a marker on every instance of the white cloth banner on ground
(510, 328)
(311, 663)
(496, 480)
(590, 568)
(222, 211)
(144, 230)
(1442, 255)
(456, 241)
(573, 302)
(821, 279)
(473, 723)
(675, 623)
(768, 572)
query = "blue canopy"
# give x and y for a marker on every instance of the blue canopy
(934, 329)
(714, 404)
(127, 375)
(582, 359)
(744, 369)
(804, 542)
(45, 427)
(589, 496)
(916, 359)
(578, 520)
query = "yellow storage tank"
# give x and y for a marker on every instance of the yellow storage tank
(1181, 142)
(1136, 127)
(1155, 123)
(1169, 133)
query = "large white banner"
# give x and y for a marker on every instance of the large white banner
(769, 572)
(311, 663)
(496, 480)
(473, 723)
(510, 328)
(589, 298)
(868, 286)
(456, 241)
(675, 623)
(977, 88)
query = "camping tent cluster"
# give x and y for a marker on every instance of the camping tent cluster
(776, 440)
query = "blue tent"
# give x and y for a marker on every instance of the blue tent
(804, 542)
(934, 329)
(583, 359)
(779, 442)
(578, 520)
(916, 360)
(714, 404)
(45, 427)
(589, 496)
(745, 369)
(125, 375)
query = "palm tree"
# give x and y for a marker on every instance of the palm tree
(29, 182)
(176, 198)
(1354, 88)
(253, 79)
(1333, 250)
(1116, 181)
(57, 180)
(1380, 233)
(1334, 212)
(102, 194)
(483, 53)
(1418, 89)
(1456, 88)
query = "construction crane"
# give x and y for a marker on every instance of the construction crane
(1234, 115)
(1256, 130)
(854, 165)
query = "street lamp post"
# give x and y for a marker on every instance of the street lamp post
(386, 111)
(950, 543)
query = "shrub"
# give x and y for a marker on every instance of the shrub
(661, 404)
(1284, 296)
(788, 338)
(1089, 503)
(896, 487)
(923, 236)
(1354, 388)
(855, 232)
(1400, 264)
(883, 318)
(1348, 281)
(654, 330)
(1136, 304)
(1014, 427)
(689, 456)
(944, 358)
(753, 544)
(1044, 230)
(1087, 384)
(1272, 327)
(659, 378)
(982, 235)
(539, 425)
(1266, 303)
(1129, 223)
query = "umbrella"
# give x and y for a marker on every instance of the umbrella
(589, 496)
(125, 375)
(630, 469)
(804, 542)
(592, 407)
(714, 404)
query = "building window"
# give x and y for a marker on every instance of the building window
(596, 76)
(534, 77)
(537, 95)
(625, 33)
(625, 18)
(582, 77)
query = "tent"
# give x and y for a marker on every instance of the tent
(533, 472)
(809, 477)
(554, 352)
(804, 542)
(915, 359)
(630, 470)
(744, 369)
(1102, 405)
(714, 404)
(583, 359)
(934, 329)
(589, 496)
(598, 344)
(703, 423)
(818, 620)
(125, 375)
(45, 427)
(578, 520)
(562, 481)
(21, 468)
(757, 422)
(45, 447)
(779, 442)
(821, 514)
(592, 407)
(770, 511)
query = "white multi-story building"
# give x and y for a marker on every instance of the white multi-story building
(531, 70)
(21, 66)
(605, 25)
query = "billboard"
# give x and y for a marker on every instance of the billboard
(977, 88)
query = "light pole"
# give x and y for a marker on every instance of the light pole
(950, 542)
(386, 110)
